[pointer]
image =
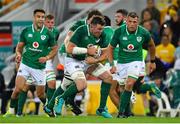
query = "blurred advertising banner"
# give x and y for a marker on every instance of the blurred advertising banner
(5, 34)
(4, 53)
(9, 37)
(5, 42)
(17, 27)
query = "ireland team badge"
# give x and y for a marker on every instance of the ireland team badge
(43, 37)
(139, 39)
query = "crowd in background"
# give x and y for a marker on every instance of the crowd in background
(164, 28)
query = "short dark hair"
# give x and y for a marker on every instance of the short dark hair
(98, 20)
(94, 12)
(124, 12)
(133, 15)
(39, 10)
(49, 16)
(107, 20)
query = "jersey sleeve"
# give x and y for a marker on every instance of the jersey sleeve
(115, 37)
(105, 40)
(76, 37)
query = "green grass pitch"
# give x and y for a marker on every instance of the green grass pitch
(86, 119)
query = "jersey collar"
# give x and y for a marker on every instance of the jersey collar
(33, 30)
(134, 33)
(52, 29)
(85, 21)
(89, 34)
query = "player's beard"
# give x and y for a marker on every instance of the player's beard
(118, 23)
(97, 34)
(39, 25)
(132, 29)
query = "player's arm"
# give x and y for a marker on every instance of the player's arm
(104, 55)
(152, 51)
(20, 46)
(75, 50)
(110, 54)
(101, 58)
(19, 50)
(72, 46)
(67, 38)
(110, 58)
(52, 53)
(70, 32)
(111, 47)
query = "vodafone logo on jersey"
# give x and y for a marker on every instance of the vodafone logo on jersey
(130, 47)
(35, 44)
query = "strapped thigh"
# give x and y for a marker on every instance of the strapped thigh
(100, 69)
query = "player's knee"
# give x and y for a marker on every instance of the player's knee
(129, 85)
(16, 92)
(66, 82)
(40, 94)
(25, 88)
(108, 78)
(80, 80)
(81, 84)
(51, 84)
(51, 79)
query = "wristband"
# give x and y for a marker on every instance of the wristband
(79, 50)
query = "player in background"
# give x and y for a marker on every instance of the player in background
(50, 73)
(120, 17)
(116, 88)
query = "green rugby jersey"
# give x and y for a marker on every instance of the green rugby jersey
(62, 48)
(36, 45)
(83, 38)
(130, 45)
(55, 33)
(116, 50)
(108, 31)
(78, 24)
